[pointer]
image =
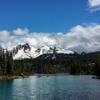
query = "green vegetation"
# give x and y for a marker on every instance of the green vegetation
(6, 62)
(50, 63)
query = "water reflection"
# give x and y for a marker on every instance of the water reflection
(51, 87)
(5, 89)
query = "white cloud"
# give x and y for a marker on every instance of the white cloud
(79, 38)
(4, 35)
(94, 5)
(20, 31)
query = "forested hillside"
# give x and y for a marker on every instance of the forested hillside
(84, 63)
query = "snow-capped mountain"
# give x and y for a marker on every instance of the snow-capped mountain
(29, 51)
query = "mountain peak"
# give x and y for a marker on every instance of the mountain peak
(23, 51)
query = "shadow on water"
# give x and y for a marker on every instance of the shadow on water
(6, 88)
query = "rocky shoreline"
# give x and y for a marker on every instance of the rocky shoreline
(11, 77)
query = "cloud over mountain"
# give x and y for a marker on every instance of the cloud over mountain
(79, 38)
(20, 31)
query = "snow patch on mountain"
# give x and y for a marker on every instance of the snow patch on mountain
(29, 51)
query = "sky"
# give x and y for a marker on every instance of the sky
(70, 24)
(45, 15)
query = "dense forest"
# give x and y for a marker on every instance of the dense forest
(84, 63)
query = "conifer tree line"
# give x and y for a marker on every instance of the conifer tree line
(6, 62)
(50, 63)
(8, 66)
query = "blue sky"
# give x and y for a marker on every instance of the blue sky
(73, 25)
(45, 15)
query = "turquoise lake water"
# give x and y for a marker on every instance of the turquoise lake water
(51, 87)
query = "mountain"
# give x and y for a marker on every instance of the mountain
(23, 51)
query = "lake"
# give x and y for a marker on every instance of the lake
(51, 87)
